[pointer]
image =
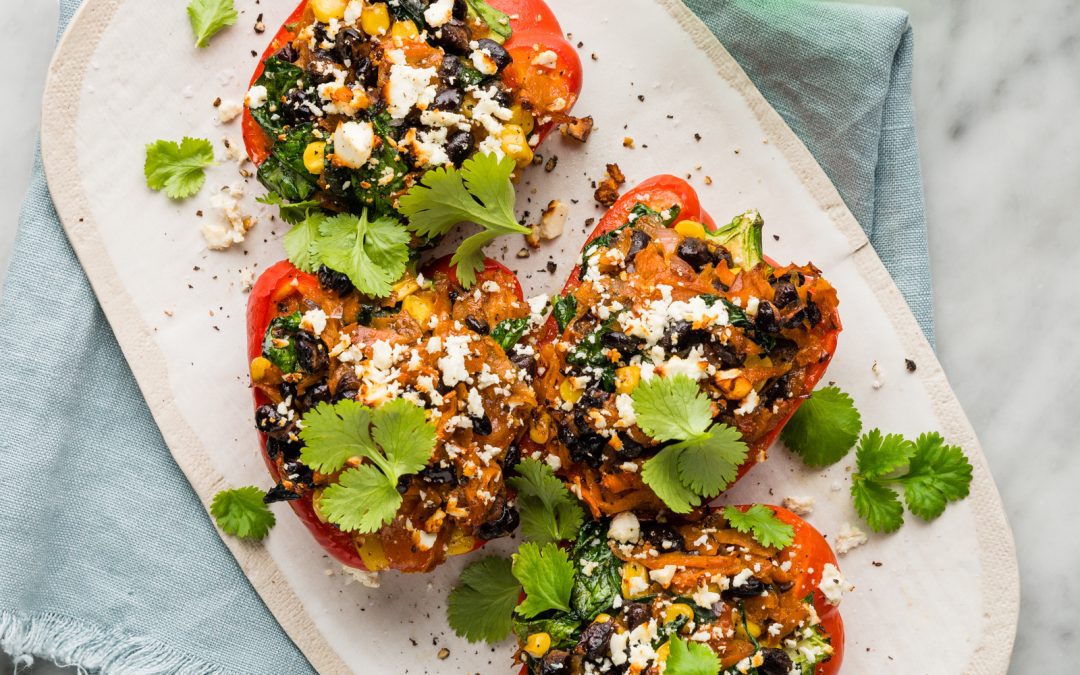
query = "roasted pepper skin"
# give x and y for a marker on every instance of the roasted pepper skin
(661, 193)
(277, 282)
(534, 26)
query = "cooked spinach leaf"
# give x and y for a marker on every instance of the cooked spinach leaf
(278, 77)
(563, 628)
(279, 347)
(408, 9)
(497, 21)
(565, 309)
(594, 593)
(508, 332)
(284, 172)
(738, 318)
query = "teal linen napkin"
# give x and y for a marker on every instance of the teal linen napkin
(109, 561)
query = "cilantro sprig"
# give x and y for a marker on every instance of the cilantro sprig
(178, 168)
(483, 603)
(929, 473)
(691, 658)
(394, 440)
(242, 513)
(706, 457)
(372, 253)
(549, 512)
(762, 523)
(824, 428)
(208, 17)
(481, 192)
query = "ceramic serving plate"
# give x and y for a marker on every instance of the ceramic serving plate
(940, 598)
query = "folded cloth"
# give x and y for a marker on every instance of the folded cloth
(109, 560)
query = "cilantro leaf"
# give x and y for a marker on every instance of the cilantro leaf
(661, 473)
(710, 462)
(937, 474)
(481, 606)
(178, 168)
(691, 658)
(547, 577)
(208, 17)
(824, 428)
(763, 524)
(706, 460)
(481, 192)
(290, 212)
(372, 253)
(671, 408)
(878, 505)
(362, 500)
(549, 512)
(302, 242)
(394, 441)
(879, 456)
(242, 513)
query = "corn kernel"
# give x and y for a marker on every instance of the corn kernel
(540, 431)
(602, 618)
(460, 543)
(404, 288)
(404, 30)
(675, 611)
(259, 366)
(569, 391)
(516, 145)
(316, 504)
(419, 308)
(325, 10)
(690, 228)
(664, 652)
(523, 118)
(736, 388)
(315, 157)
(371, 552)
(375, 19)
(635, 580)
(750, 630)
(537, 644)
(627, 378)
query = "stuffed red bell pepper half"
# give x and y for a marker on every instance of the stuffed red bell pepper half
(729, 591)
(355, 99)
(675, 354)
(387, 423)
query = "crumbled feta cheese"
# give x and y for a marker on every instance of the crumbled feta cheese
(749, 404)
(483, 61)
(476, 404)
(452, 364)
(849, 538)
(353, 144)
(439, 13)
(228, 111)
(624, 405)
(625, 528)
(833, 585)
(314, 321)
(800, 506)
(742, 577)
(663, 575)
(364, 578)
(353, 11)
(703, 597)
(554, 462)
(425, 540)
(546, 59)
(256, 97)
(408, 87)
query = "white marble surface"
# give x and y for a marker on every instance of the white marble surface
(996, 87)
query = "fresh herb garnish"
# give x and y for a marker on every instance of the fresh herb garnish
(208, 17)
(509, 331)
(372, 253)
(480, 192)
(279, 77)
(824, 428)
(564, 311)
(707, 456)
(497, 21)
(547, 577)
(691, 658)
(762, 523)
(242, 513)
(395, 440)
(549, 512)
(178, 168)
(283, 171)
(290, 212)
(481, 606)
(279, 346)
(936, 475)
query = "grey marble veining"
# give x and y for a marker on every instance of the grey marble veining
(998, 92)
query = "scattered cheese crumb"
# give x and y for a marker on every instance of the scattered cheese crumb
(800, 506)
(849, 537)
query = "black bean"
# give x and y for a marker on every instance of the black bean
(638, 241)
(813, 314)
(681, 336)
(626, 344)
(279, 493)
(795, 320)
(727, 355)
(311, 352)
(477, 325)
(663, 537)
(449, 99)
(367, 73)
(454, 38)
(784, 349)
(696, 253)
(346, 395)
(751, 588)
(459, 146)
(285, 448)
(297, 107)
(774, 662)
(449, 69)
(502, 95)
(785, 586)
(767, 321)
(593, 397)
(785, 294)
(461, 9)
(594, 640)
(297, 472)
(286, 53)
(321, 71)
(347, 46)
(555, 662)
(313, 396)
(268, 421)
(481, 426)
(334, 281)
(496, 51)
(403, 484)
(287, 390)
(630, 449)
(513, 457)
(635, 614)
(502, 525)
(438, 475)
(524, 362)
(777, 389)
(584, 444)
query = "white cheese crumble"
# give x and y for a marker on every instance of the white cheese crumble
(663, 575)
(800, 506)
(849, 537)
(546, 59)
(833, 585)
(256, 97)
(439, 13)
(228, 111)
(314, 321)
(408, 87)
(353, 144)
(625, 528)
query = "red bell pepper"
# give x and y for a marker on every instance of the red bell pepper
(535, 29)
(661, 193)
(276, 283)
